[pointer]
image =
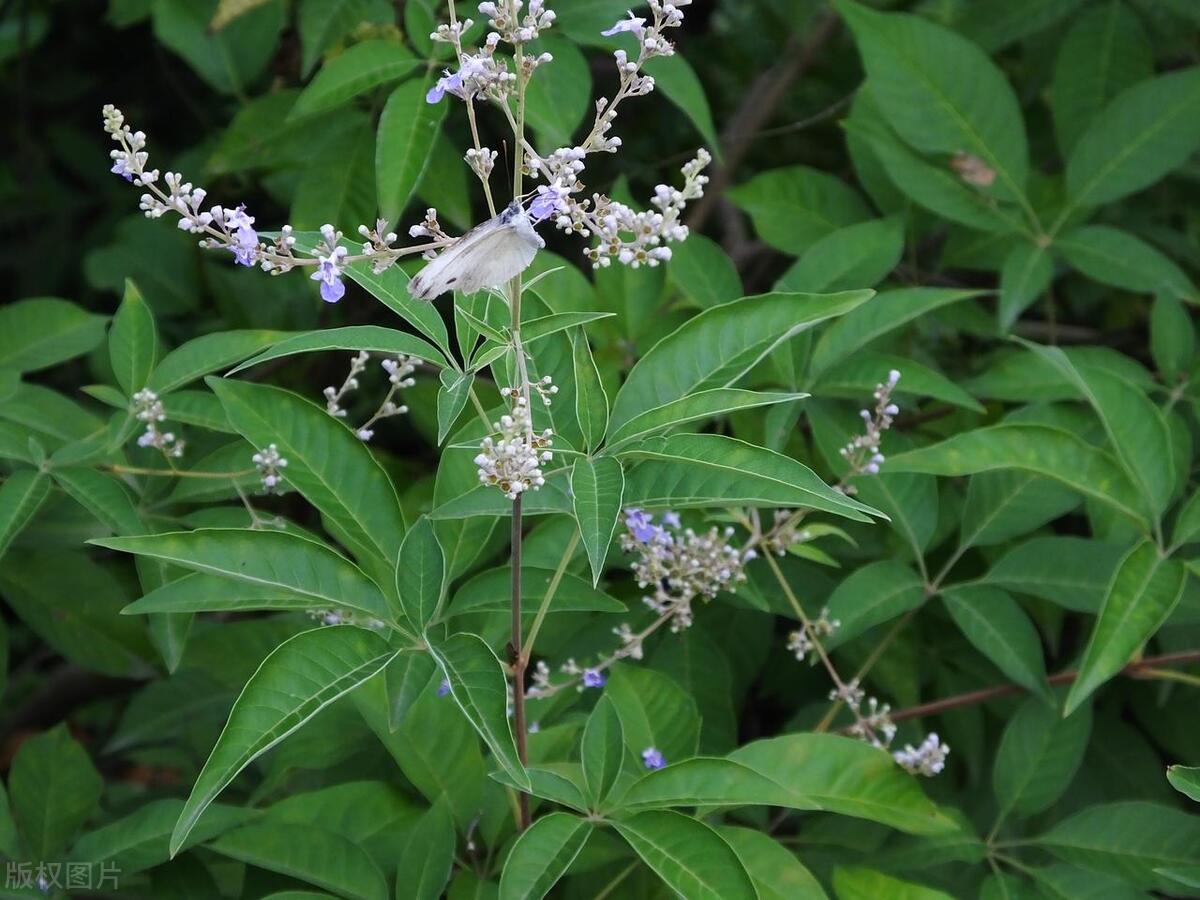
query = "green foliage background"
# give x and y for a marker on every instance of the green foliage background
(1016, 179)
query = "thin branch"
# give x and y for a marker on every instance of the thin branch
(1141, 668)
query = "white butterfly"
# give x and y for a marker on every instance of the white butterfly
(486, 256)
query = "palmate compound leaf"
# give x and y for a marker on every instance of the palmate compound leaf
(301, 677)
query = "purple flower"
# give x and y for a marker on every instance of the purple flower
(443, 688)
(245, 238)
(672, 519)
(448, 82)
(593, 678)
(638, 522)
(329, 273)
(633, 24)
(652, 758)
(121, 167)
(549, 200)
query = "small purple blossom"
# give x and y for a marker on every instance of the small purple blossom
(672, 519)
(652, 758)
(549, 201)
(329, 273)
(451, 82)
(638, 521)
(593, 678)
(634, 24)
(245, 238)
(443, 688)
(121, 167)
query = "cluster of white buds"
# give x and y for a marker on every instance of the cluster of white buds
(378, 244)
(399, 371)
(862, 453)
(429, 227)
(803, 641)
(147, 408)
(631, 641)
(269, 464)
(639, 238)
(680, 564)
(347, 617)
(481, 161)
(513, 27)
(928, 759)
(874, 723)
(512, 461)
(334, 395)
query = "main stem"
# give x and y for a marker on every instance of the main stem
(517, 658)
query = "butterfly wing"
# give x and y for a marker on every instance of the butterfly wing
(486, 256)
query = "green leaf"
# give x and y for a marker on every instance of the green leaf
(1136, 429)
(857, 256)
(391, 289)
(654, 711)
(40, 333)
(337, 182)
(198, 592)
(556, 102)
(427, 860)
(677, 79)
(323, 22)
(420, 575)
(371, 338)
(206, 354)
(702, 405)
(1116, 257)
(133, 341)
(139, 840)
(1060, 455)
(21, 496)
(543, 326)
(941, 93)
(331, 467)
(717, 347)
(408, 128)
(54, 790)
(711, 782)
(597, 488)
(542, 854)
(867, 884)
(702, 271)
(794, 207)
(406, 677)
(776, 873)
(689, 470)
(1144, 591)
(1105, 51)
(1185, 780)
(1038, 756)
(228, 59)
(994, 24)
(488, 592)
(1072, 572)
(591, 400)
(1006, 504)
(301, 677)
(1130, 840)
(602, 751)
(999, 629)
(480, 689)
(857, 375)
(888, 311)
(357, 70)
(105, 496)
(1027, 272)
(266, 559)
(1172, 336)
(844, 776)
(309, 853)
(1146, 132)
(875, 593)
(688, 855)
